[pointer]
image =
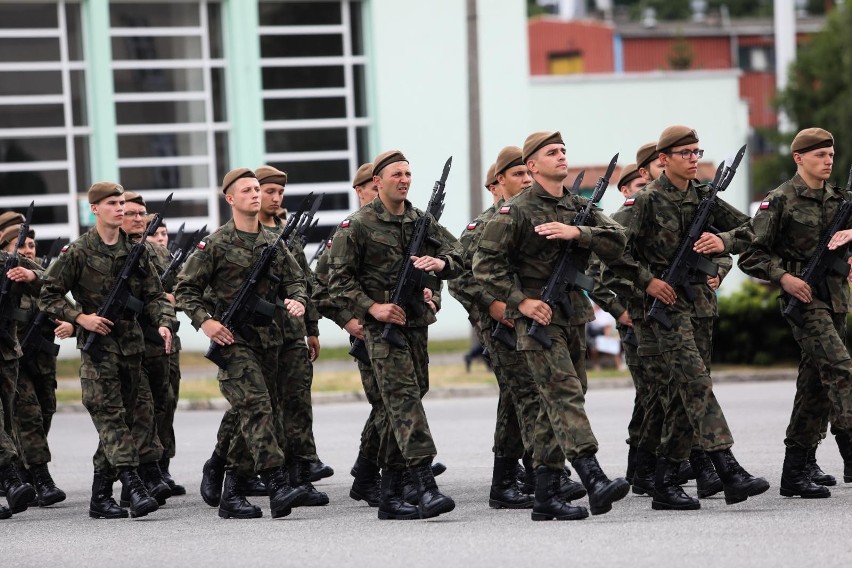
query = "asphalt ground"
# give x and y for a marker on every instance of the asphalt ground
(767, 530)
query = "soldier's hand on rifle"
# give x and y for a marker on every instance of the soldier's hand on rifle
(21, 274)
(313, 347)
(839, 239)
(388, 313)
(662, 291)
(536, 310)
(355, 329)
(796, 287)
(171, 299)
(217, 332)
(63, 329)
(294, 308)
(427, 297)
(497, 311)
(556, 230)
(713, 282)
(166, 334)
(624, 319)
(428, 263)
(94, 323)
(708, 243)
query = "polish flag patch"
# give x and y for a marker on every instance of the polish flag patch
(505, 209)
(472, 226)
(202, 245)
(328, 244)
(630, 201)
(344, 224)
(65, 248)
(764, 205)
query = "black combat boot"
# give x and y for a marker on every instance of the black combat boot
(643, 476)
(366, 486)
(156, 486)
(141, 503)
(282, 496)
(526, 478)
(844, 444)
(816, 473)
(438, 468)
(684, 473)
(254, 487)
(174, 487)
(602, 492)
(668, 495)
(739, 484)
(233, 504)
(4, 513)
(504, 486)
(319, 470)
(300, 474)
(212, 475)
(102, 505)
(392, 505)
(631, 464)
(48, 492)
(18, 494)
(548, 504)
(795, 478)
(569, 489)
(706, 479)
(431, 502)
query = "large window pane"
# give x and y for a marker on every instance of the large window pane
(28, 15)
(162, 145)
(159, 112)
(30, 149)
(158, 80)
(31, 116)
(311, 140)
(82, 159)
(14, 50)
(74, 31)
(181, 208)
(34, 182)
(357, 29)
(78, 99)
(156, 47)
(164, 177)
(302, 77)
(301, 45)
(299, 13)
(316, 172)
(30, 82)
(214, 32)
(145, 14)
(220, 109)
(300, 109)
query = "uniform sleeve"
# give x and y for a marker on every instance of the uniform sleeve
(191, 283)
(465, 288)
(736, 225)
(343, 258)
(626, 266)
(758, 260)
(491, 264)
(605, 237)
(725, 263)
(601, 294)
(450, 252)
(312, 315)
(293, 284)
(157, 306)
(60, 276)
(325, 304)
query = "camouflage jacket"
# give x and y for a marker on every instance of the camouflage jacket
(367, 253)
(787, 228)
(297, 328)
(22, 296)
(160, 258)
(655, 221)
(212, 276)
(465, 288)
(513, 263)
(87, 268)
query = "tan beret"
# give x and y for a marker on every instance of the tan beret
(646, 154)
(628, 174)
(363, 175)
(811, 139)
(268, 174)
(676, 136)
(387, 158)
(133, 197)
(538, 140)
(10, 218)
(10, 234)
(234, 175)
(509, 157)
(490, 176)
(104, 189)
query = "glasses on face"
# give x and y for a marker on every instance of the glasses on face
(685, 154)
(132, 214)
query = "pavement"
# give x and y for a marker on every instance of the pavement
(766, 530)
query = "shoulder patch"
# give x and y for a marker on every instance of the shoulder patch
(764, 205)
(65, 248)
(630, 202)
(344, 224)
(505, 209)
(472, 225)
(328, 243)
(202, 245)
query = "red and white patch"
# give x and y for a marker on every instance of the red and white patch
(505, 209)
(344, 224)
(328, 244)
(630, 201)
(764, 205)
(472, 226)
(65, 248)
(201, 245)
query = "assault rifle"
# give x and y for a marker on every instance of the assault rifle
(248, 307)
(119, 299)
(304, 225)
(322, 246)
(9, 313)
(686, 264)
(503, 333)
(565, 275)
(34, 342)
(824, 262)
(175, 244)
(408, 291)
(51, 254)
(181, 253)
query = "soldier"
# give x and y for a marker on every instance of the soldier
(206, 287)
(366, 255)
(657, 219)
(87, 268)
(516, 255)
(788, 227)
(35, 404)
(648, 161)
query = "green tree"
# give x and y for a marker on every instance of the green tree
(680, 55)
(819, 92)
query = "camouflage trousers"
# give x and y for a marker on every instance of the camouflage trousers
(689, 405)
(640, 385)
(824, 384)
(156, 369)
(370, 439)
(296, 413)
(8, 380)
(562, 427)
(34, 410)
(402, 376)
(119, 401)
(248, 384)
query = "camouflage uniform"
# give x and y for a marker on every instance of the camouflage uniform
(366, 254)
(205, 288)
(513, 262)
(111, 388)
(657, 219)
(787, 229)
